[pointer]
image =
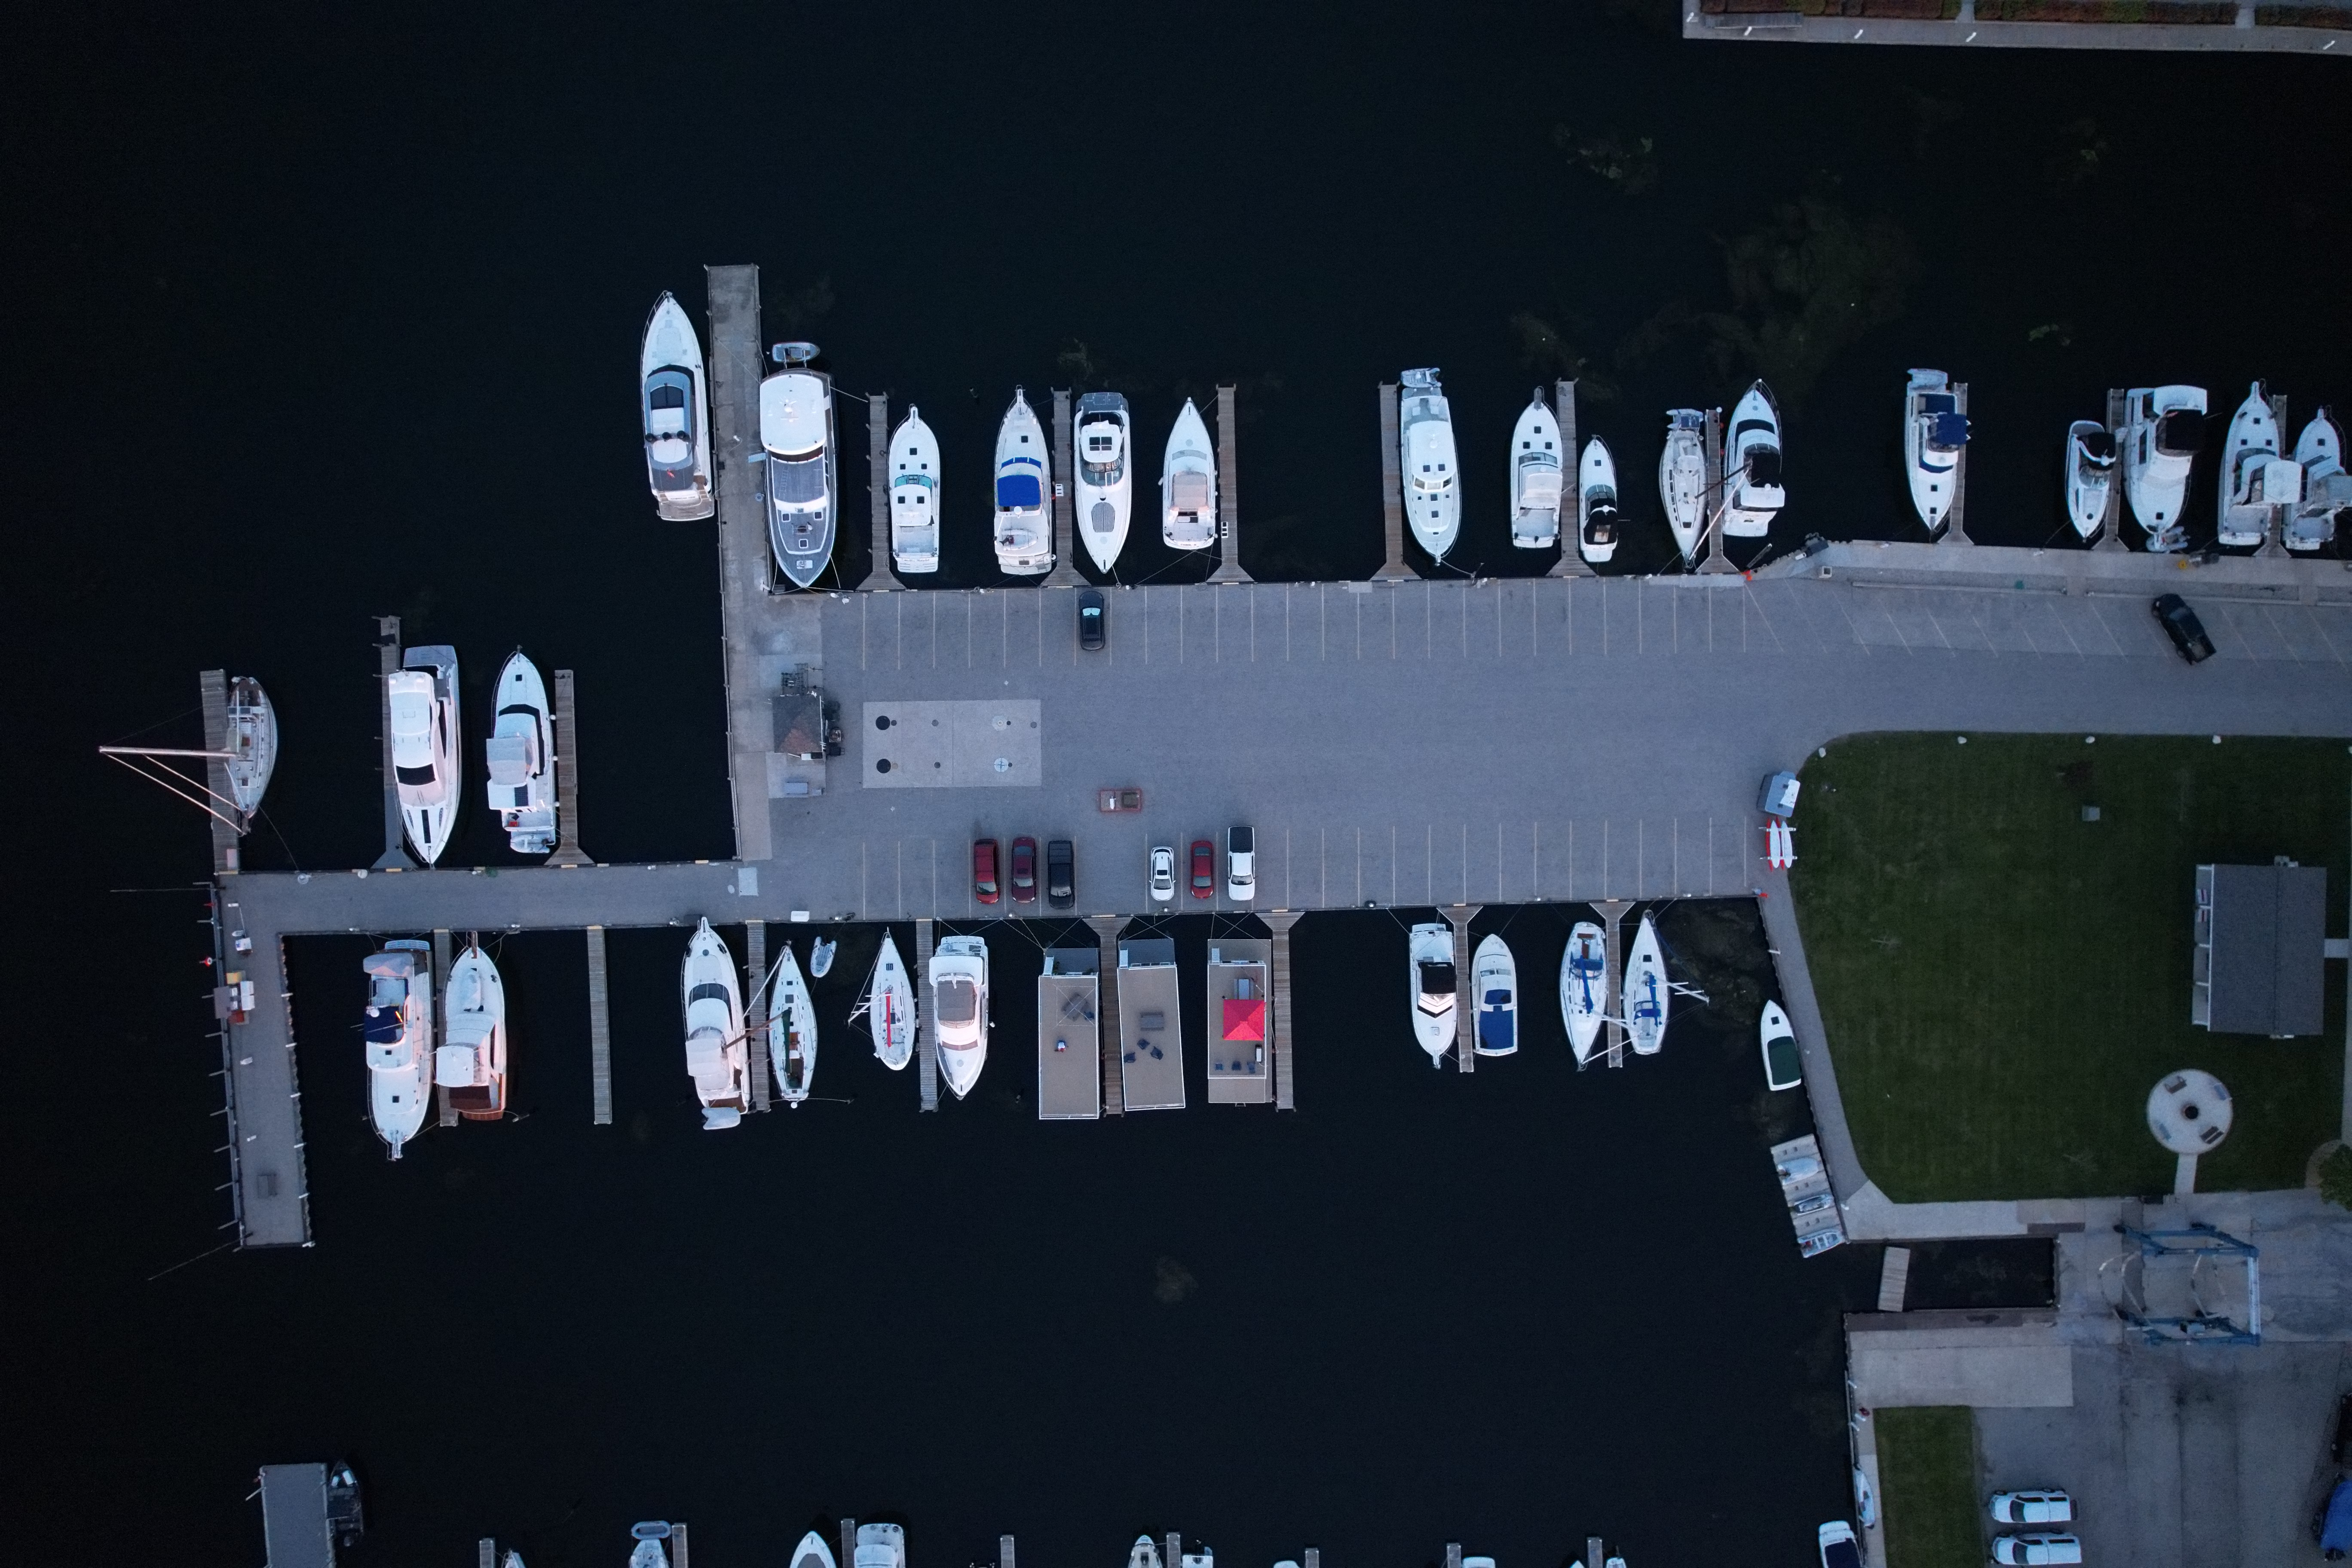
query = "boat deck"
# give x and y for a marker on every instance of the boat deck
(1150, 1025)
(1070, 1037)
(1240, 1070)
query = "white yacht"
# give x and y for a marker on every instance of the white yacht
(1935, 438)
(813, 1552)
(1584, 989)
(889, 1007)
(2090, 476)
(1782, 1068)
(471, 1065)
(1024, 490)
(1495, 988)
(677, 408)
(880, 1546)
(1598, 520)
(1647, 996)
(2257, 484)
(792, 1029)
(716, 1057)
(1105, 496)
(1752, 466)
(422, 698)
(1429, 966)
(253, 741)
(522, 758)
(399, 1033)
(1433, 476)
(796, 443)
(914, 496)
(1537, 480)
(2163, 426)
(959, 1009)
(1188, 484)
(1682, 480)
(2326, 506)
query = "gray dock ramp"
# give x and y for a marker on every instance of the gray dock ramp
(599, 1029)
(1069, 1044)
(743, 553)
(1107, 929)
(1150, 1025)
(1392, 566)
(926, 1045)
(263, 1095)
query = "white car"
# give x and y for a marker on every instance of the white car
(2036, 1549)
(1163, 873)
(2047, 1507)
(1838, 1546)
(1241, 864)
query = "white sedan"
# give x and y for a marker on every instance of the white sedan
(2047, 1507)
(1163, 873)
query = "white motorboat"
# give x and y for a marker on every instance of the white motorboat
(1647, 995)
(675, 403)
(1024, 521)
(1538, 481)
(889, 1007)
(1935, 439)
(1752, 466)
(399, 1034)
(2326, 507)
(253, 743)
(1782, 1068)
(796, 444)
(471, 1065)
(422, 698)
(1433, 476)
(1429, 965)
(2258, 486)
(718, 1057)
(1682, 480)
(2163, 427)
(1144, 1554)
(792, 1029)
(1105, 496)
(821, 953)
(1598, 520)
(2090, 476)
(1188, 484)
(1584, 989)
(813, 1552)
(914, 496)
(521, 752)
(1495, 988)
(959, 1009)
(880, 1546)
(650, 1551)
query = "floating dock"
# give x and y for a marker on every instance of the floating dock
(294, 1529)
(1239, 989)
(1069, 1036)
(1151, 1024)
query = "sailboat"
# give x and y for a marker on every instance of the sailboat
(1598, 520)
(1432, 475)
(2090, 476)
(1935, 434)
(2326, 506)
(2163, 427)
(1681, 479)
(960, 1010)
(1429, 965)
(889, 1007)
(1752, 466)
(1536, 483)
(1188, 484)
(423, 699)
(253, 743)
(880, 1546)
(797, 447)
(1105, 496)
(1024, 528)
(791, 1030)
(1495, 986)
(1779, 1041)
(399, 1032)
(914, 496)
(813, 1552)
(521, 753)
(2256, 483)
(1584, 989)
(716, 1058)
(675, 406)
(471, 1065)
(1647, 996)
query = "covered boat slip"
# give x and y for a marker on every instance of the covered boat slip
(1069, 1036)
(1239, 986)
(1150, 1025)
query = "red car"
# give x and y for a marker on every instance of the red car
(984, 869)
(1204, 868)
(1025, 870)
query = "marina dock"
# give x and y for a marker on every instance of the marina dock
(1152, 1025)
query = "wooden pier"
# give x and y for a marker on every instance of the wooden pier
(927, 1041)
(211, 690)
(1465, 1009)
(262, 1094)
(600, 1028)
(1285, 1087)
(2273, 544)
(755, 1019)
(877, 578)
(2111, 533)
(1956, 523)
(1228, 536)
(1064, 573)
(1392, 566)
(1713, 557)
(1114, 1087)
(387, 652)
(735, 365)
(568, 853)
(438, 1000)
(1613, 913)
(1571, 562)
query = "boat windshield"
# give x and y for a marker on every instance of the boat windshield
(794, 482)
(958, 1001)
(2179, 433)
(1436, 979)
(709, 990)
(660, 397)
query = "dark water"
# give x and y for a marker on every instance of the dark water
(322, 318)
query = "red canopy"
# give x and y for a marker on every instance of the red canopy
(1246, 1020)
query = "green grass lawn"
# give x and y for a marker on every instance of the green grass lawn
(1928, 1486)
(2003, 982)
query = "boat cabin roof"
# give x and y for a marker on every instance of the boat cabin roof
(793, 407)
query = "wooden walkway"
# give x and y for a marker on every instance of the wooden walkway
(1956, 523)
(755, 1021)
(1064, 573)
(1571, 562)
(1114, 1082)
(1612, 914)
(1392, 566)
(1713, 557)
(387, 652)
(568, 852)
(735, 363)
(1285, 1088)
(600, 1028)
(212, 688)
(877, 577)
(927, 1042)
(2111, 534)
(445, 1112)
(1229, 536)
(1465, 1009)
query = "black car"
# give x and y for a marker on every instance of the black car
(2181, 625)
(1061, 873)
(1091, 620)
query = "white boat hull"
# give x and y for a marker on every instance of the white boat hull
(1431, 469)
(252, 744)
(1935, 437)
(398, 1030)
(521, 753)
(1538, 481)
(2090, 477)
(718, 1054)
(1584, 989)
(2157, 457)
(674, 396)
(1024, 491)
(891, 1007)
(963, 1041)
(2253, 478)
(1752, 457)
(1433, 1031)
(1495, 992)
(1599, 517)
(1773, 1029)
(425, 731)
(1682, 480)
(2326, 506)
(1188, 484)
(470, 1066)
(802, 482)
(1104, 491)
(1648, 999)
(915, 500)
(791, 1030)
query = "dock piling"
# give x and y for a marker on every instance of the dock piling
(1286, 1091)
(600, 1027)
(2111, 535)
(1571, 562)
(567, 777)
(1392, 567)
(1613, 913)
(1955, 524)
(1466, 1018)
(755, 1026)
(387, 655)
(211, 690)
(927, 1047)
(1064, 573)
(439, 1001)
(1113, 1081)
(877, 578)
(1229, 536)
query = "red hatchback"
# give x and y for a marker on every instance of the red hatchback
(1025, 870)
(983, 870)
(1204, 868)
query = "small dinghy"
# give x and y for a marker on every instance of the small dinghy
(1025, 524)
(252, 743)
(521, 753)
(820, 952)
(881, 1546)
(813, 1552)
(421, 696)
(471, 1065)
(2163, 428)
(1433, 489)
(2326, 506)
(671, 387)
(650, 1551)
(2257, 484)
(792, 1029)
(1584, 989)
(716, 1057)
(1538, 481)
(1105, 496)
(1495, 985)
(1429, 964)
(1598, 520)
(1752, 466)
(2090, 477)
(1682, 480)
(1646, 993)
(1188, 484)
(1781, 1068)
(399, 1032)
(1935, 434)
(797, 447)
(914, 496)
(889, 1007)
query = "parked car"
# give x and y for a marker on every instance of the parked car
(1061, 873)
(1163, 873)
(1204, 868)
(1091, 620)
(2181, 625)
(1025, 870)
(2036, 1549)
(983, 870)
(1839, 1547)
(1241, 864)
(2043, 1506)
